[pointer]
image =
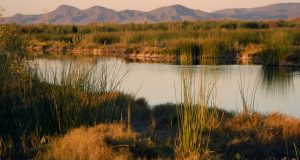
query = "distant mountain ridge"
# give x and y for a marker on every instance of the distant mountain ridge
(65, 14)
(274, 11)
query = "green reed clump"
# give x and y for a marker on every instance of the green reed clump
(245, 37)
(59, 38)
(254, 25)
(188, 50)
(46, 29)
(295, 37)
(229, 26)
(106, 38)
(218, 46)
(196, 118)
(276, 47)
(284, 24)
(137, 37)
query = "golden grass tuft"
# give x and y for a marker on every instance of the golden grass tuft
(250, 51)
(289, 126)
(92, 143)
(267, 128)
(244, 122)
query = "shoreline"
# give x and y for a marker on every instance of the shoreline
(151, 54)
(154, 130)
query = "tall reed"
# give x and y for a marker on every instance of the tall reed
(248, 95)
(196, 117)
(276, 47)
(88, 90)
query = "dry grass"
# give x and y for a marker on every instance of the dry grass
(274, 125)
(258, 136)
(244, 122)
(92, 143)
(252, 136)
(288, 126)
(250, 51)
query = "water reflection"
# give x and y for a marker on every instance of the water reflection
(189, 61)
(278, 90)
(277, 80)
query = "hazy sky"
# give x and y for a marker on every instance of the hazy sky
(37, 6)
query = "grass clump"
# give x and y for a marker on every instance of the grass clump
(195, 119)
(276, 48)
(260, 136)
(106, 39)
(218, 47)
(100, 142)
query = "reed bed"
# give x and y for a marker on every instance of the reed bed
(206, 38)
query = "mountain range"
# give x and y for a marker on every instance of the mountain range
(65, 14)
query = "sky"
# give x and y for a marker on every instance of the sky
(13, 7)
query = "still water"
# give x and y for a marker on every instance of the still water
(274, 89)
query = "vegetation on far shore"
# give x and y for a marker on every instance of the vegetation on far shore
(269, 42)
(79, 116)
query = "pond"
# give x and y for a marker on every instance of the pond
(271, 89)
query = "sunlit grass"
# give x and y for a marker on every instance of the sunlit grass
(197, 116)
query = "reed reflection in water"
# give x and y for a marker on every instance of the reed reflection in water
(278, 88)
